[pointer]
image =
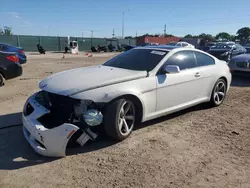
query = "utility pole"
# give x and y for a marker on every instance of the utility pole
(136, 34)
(113, 33)
(92, 33)
(165, 30)
(122, 24)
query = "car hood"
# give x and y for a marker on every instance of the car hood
(241, 58)
(73, 81)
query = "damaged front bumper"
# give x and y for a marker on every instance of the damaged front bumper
(51, 142)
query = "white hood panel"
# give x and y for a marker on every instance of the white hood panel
(78, 80)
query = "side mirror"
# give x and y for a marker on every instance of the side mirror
(171, 69)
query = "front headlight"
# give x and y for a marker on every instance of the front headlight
(225, 54)
(81, 107)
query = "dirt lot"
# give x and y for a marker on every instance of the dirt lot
(198, 147)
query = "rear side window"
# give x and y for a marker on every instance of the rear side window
(184, 59)
(203, 59)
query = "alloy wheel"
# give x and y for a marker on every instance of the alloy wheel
(126, 118)
(219, 92)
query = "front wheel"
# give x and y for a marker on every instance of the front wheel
(219, 93)
(119, 119)
(2, 80)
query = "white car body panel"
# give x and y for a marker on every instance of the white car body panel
(159, 94)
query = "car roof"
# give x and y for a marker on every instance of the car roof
(160, 47)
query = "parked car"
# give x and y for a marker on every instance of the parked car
(225, 51)
(136, 86)
(240, 64)
(9, 66)
(247, 47)
(127, 47)
(20, 52)
(181, 44)
(208, 46)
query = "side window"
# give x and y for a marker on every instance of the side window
(203, 59)
(184, 44)
(183, 59)
(3, 48)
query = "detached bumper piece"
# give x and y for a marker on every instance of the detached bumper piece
(51, 140)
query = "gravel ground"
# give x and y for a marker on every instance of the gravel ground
(197, 147)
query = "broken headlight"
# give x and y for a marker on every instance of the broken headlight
(86, 110)
(81, 107)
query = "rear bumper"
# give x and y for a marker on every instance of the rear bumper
(47, 142)
(13, 71)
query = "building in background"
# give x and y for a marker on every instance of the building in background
(156, 40)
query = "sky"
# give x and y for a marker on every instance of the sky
(78, 17)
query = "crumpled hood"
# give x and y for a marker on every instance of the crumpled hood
(78, 80)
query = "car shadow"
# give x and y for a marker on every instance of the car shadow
(16, 153)
(10, 120)
(199, 107)
(241, 81)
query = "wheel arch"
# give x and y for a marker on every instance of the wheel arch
(225, 79)
(137, 101)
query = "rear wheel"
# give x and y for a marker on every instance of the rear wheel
(2, 80)
(119, 119)
(219, 93)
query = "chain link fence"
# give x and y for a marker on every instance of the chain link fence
(29, 43)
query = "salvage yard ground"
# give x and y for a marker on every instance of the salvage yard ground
(198, 147)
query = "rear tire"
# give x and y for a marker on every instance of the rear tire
(2, 80)
(219, 93)
(119, 119)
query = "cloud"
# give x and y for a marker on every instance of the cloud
(15, 15)
(18, 17)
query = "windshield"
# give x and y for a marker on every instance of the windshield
(221, 46)
(137, 59)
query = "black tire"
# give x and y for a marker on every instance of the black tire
(2, 80)
(112, 117)
(213, 100)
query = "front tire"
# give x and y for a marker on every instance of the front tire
(219, 93)
(119, 119)
(2, 80)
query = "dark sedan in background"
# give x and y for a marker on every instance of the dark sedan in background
(240, 64)
(9, 66)
(225, 51)
(19, 51)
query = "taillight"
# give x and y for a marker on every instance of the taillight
(13, 58)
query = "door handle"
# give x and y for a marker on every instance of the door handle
(197, 74)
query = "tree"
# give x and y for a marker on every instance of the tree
(206, 37)
(188, 36)
(243, 33)
(223, 35)
(1, 31)
(6, 30)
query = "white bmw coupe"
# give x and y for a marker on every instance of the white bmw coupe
(136, 86)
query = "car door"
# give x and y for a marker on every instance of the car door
(207, 70)
(179, 89)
